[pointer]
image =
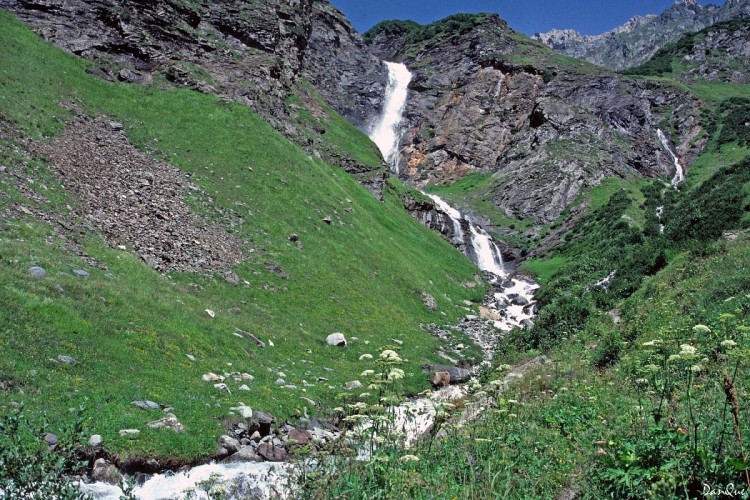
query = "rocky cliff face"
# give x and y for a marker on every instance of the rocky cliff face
(637, 40)
(254, 53)
(343, 68)
(541, 128)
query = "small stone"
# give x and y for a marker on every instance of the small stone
(256, 436)
(293, 238)
(247, 376)
(105, 472)
(81, 273)
(234, 310)
(232, 278)
(146, 405)
(212, 377)
(52, 440)
(327, 220)
(190, 357)
(270, 343)
(210, 313)
(336, 339)
(354, 384)
(280, 381)
(115, 126)
(129, 432)
(243, 410)
(66, 359)
(429, 301)
(122, 247)
(95, 441)
(244, 387)
(222, 387)
(168, 422)
(37, 272)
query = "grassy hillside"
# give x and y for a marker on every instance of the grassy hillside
(131, 328)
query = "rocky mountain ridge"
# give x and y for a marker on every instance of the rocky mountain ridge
(539, 128)
(637, 40)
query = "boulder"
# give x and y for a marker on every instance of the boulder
(37, 272)
(336, 339)
(105, 472)
(95, 441)
(354, 384)
(146, 405)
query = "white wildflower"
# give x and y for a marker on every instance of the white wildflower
(701, 329)
(728, 343)
(390, 355)
(409, 458)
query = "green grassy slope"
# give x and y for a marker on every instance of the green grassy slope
(132, 328)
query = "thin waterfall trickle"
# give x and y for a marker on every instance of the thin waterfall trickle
(679, 174)
(387, 131)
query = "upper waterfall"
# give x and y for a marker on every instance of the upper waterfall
(386, 133)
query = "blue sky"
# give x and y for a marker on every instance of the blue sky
(590, 17)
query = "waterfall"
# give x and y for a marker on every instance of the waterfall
(386, 133)
(455, 216)
(679, 174)
(480, 248)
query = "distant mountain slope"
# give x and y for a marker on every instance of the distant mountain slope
(719, 53)
(637, 40)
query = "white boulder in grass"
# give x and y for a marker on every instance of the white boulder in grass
(336, 339)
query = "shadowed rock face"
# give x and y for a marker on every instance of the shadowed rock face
(488, 100)
(343, 68)
(637, 40)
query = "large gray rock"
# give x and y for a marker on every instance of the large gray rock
(105, 472)
(229, 443)
(37, 272)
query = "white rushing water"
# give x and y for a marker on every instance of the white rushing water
(484, 252)
(387, 131)
(251, 479)
(679, 170)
